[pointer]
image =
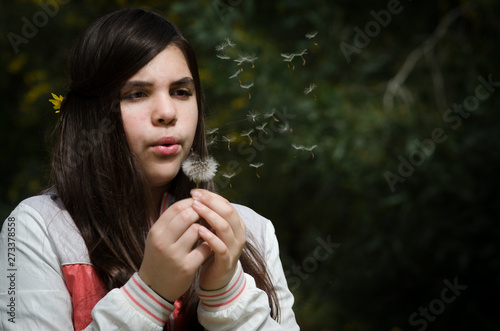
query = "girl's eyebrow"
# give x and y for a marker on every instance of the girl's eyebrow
(183, 82)
(140, 83)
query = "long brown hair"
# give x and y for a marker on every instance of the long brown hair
(93, 169)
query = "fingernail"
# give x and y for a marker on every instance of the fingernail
(197, 204)
(196, 194)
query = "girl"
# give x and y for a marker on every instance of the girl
(122, 240)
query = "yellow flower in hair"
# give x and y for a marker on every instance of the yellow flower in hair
(56, 102)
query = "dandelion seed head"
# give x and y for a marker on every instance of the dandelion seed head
(198, 169)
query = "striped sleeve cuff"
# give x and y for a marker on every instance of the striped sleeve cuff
(146, 301)
(212, 300)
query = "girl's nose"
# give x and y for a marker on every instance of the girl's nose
(164, 111)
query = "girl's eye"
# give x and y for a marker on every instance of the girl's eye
(136, 95)
(183, 94)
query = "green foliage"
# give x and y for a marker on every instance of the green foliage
(399, 241)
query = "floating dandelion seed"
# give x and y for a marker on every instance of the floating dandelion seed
(309, 89)
(311, 34)
(261, 128)
(198, 169)
(212, 141)
(230, 43)
(229, 141)
(297, 148)
(253, 115)
(247, 86)
(285, 128)
(271, 114)
(247, 134)
(229, 176)
(223, 57)
(235, 75)
(289, 58)
(211, 131)
(256, 166)
(310, 148)
(246, 58)
(301, 54)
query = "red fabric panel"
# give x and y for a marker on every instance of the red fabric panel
(86, 290)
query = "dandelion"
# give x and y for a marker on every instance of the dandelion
(256, 166)
(261, 128)
(271, 114)
(253, 115)
(229, 176)
(198, 169)
(56, 102)
(247, 134)
(309, 89)
(247, 86)
(229, 141)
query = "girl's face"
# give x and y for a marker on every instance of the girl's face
(160, 114)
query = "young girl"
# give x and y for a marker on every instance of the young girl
(122, 240)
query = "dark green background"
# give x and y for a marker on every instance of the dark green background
(396, 248)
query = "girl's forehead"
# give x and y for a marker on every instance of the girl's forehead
(169, 65)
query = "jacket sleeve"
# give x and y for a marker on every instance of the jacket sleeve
(242, 306)
(35, 297)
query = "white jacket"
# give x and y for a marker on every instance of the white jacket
(48, 283)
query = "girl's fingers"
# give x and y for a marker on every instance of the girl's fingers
(214, 242)
(221, 207)
(221, 227)
(174, 222)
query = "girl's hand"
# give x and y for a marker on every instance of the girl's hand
(170, 262)
(226, 241)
